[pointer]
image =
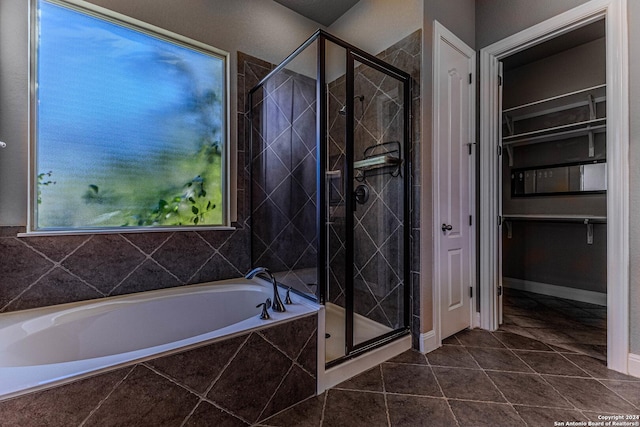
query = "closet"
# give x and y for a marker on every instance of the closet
(553, 186)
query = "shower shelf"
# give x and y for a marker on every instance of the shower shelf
(386, 154)
(377, 162)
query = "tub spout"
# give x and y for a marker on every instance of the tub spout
(277, 304)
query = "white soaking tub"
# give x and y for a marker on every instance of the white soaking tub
(50, 345)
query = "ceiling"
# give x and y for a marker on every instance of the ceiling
(324, 12)
(558, 44)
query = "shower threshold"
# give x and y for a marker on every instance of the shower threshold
(331, 322)
(364, 329)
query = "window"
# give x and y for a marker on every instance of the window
(129, 125)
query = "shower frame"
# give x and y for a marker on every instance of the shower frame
(322, 199)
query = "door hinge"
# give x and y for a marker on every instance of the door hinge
(499, 291)
(470, 291)
(499, 220)
(470, 78)
(470, 220)
(499, 150)
(499, 80)
(470, 147)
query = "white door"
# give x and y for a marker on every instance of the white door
(454, 154)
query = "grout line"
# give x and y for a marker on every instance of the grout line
(224, 368)
(576, 365)
(294, 360)
(56, 264)
(66, 270)
(25, 290)
(616, 393)
(214, 404)
(273, 395)
(444, 396)
(324, 407)
(47, 257)
(544, 380)
(190, 413)
(104, 399)
(169, 378)
(495, 385)
(195, 273)
(201, 397)
(265, 422)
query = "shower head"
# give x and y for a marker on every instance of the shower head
(343, 110)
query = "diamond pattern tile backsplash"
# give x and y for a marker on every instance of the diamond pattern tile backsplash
(284, 181)
(41, 271)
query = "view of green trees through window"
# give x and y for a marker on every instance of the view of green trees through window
(130, 128)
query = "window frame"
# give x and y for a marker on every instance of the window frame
(149, 30)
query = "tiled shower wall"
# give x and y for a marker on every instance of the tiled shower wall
(42, 271)
(378, 229)
(284, 180)
(235, 382)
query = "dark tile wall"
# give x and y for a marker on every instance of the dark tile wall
(284, 180)
(378, 229)
(235, 382)
(42, 271)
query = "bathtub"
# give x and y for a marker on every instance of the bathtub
(52, 345)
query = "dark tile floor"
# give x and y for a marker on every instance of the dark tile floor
(571, 325)
(545, 364)
(477, 378)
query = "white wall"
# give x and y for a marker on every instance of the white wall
(374, 25)
(14, 62)
(261, 28)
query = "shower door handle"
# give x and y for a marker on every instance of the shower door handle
(446, 227)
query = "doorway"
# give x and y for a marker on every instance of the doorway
(553, 191)
(491, 225)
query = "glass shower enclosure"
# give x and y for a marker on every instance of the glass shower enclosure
(330, 189)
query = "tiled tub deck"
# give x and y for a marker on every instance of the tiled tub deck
(237, 381)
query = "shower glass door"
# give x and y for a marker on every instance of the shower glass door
(366, 200)
(377, 120)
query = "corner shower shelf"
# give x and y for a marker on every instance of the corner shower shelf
(378, 156)
(377, 162)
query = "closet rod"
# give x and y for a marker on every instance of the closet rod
(578, 219)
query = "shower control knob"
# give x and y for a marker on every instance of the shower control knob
(446, 227)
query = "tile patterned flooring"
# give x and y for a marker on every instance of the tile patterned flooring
(571, 325)
(477, 378)
(531, 372)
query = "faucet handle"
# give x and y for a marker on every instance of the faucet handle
(287, 298)
(265, 305)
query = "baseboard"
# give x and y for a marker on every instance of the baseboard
(428, 342)
(633, 365)
(476, 320)
(574, 294)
